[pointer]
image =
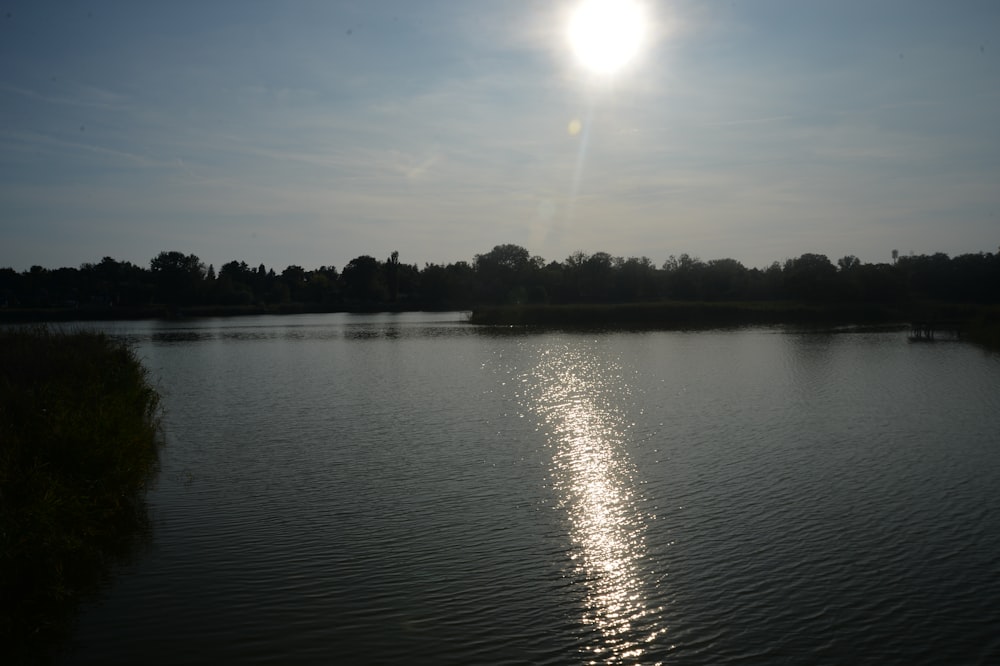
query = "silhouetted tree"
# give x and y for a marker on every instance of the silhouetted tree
(9, 288)
(295, 282)
(363, 280)
(635, 280)
(683, 277)
(235, 284)
(177, 277)
(878, 283)
(114, 283)
(811, 277)
(451, 286)
(848, 263)
(392, 275)
(503, 273)
(506, 274)
(724, 279)
(324, 285)
(596, 277)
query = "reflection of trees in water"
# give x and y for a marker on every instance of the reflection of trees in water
(372, 332)
(38, 622)
(177, 337)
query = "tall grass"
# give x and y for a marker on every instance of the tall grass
(985, 329)
(79, 437)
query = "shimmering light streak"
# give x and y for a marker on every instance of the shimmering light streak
(575, 396)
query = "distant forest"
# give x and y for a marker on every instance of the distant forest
(507, 274)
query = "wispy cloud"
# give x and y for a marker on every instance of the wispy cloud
(45, 146)
(73, 95)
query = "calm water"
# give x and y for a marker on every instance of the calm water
(411, 489)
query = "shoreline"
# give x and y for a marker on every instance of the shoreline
(975, 322)
(166, 312)
(672, 314)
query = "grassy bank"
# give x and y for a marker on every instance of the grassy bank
(977, 323)
(684, 314)
(985, 328)
(78, 445)
(47, 315)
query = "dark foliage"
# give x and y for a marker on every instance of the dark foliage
(78, 444)
(506, 275)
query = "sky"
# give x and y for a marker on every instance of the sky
(312, 132)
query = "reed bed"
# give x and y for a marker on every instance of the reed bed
(79, 440)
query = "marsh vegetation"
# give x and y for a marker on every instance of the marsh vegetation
(79, 434)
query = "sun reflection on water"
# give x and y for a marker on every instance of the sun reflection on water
(579, 401)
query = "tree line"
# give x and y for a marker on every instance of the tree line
(507, 274)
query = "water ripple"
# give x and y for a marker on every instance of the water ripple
(340, 490)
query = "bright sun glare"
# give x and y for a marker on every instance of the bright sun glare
(605, 35)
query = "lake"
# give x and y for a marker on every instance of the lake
(408, 488)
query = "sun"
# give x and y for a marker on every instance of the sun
(606, 35)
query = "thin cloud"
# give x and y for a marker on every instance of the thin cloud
(60, 148)
(90, 97)
(749, 121)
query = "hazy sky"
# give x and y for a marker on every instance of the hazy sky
(310, 133)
